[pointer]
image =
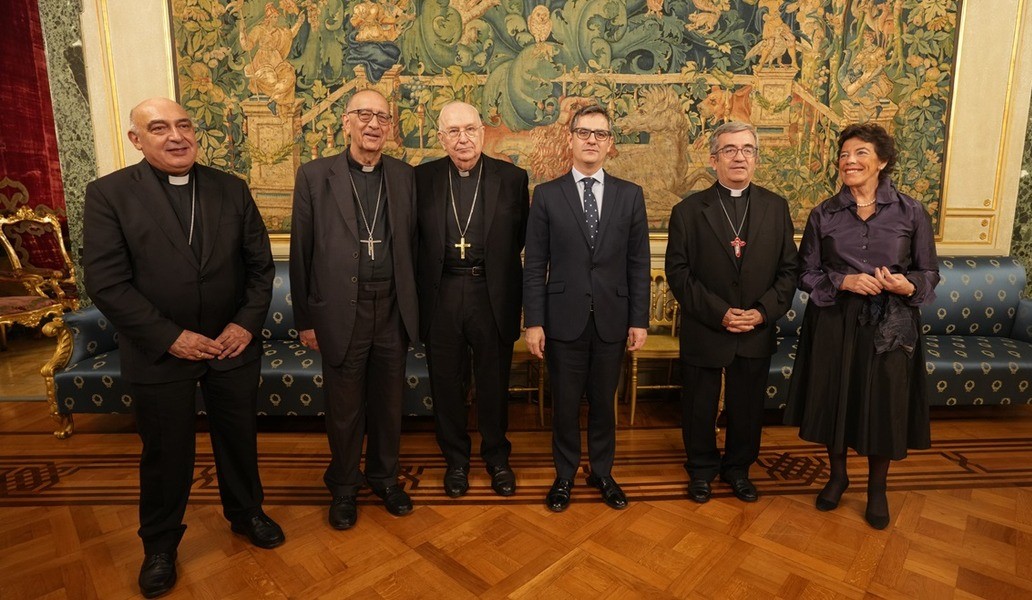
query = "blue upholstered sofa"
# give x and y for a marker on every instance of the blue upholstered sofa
(86, 371)
(977, 336)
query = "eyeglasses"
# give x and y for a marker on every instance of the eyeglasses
(601, 135)
(732, 151)
(455, 132)
(365, 115)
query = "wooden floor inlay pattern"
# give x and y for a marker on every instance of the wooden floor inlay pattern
(65, 477)
(961, 521)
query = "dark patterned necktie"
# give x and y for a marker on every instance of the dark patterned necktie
(590, 209)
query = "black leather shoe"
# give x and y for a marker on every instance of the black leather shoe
(699, 490)
(396, 500)
(742, 488)
(503, 479)
(158, 574)
(343, 512)
(558, 497)
(261, 531)
(456, 481)
(612, 494)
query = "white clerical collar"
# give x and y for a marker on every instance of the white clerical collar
(578, 176)
(368, 168)
(179, 179)
(734, 193)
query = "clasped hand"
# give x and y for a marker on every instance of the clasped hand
(738, 320)
(194, 346)
(882, 280)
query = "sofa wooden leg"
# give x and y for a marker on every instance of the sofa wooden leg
(65, 426)
(63, 351)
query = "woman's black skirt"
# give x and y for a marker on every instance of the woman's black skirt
(844, 395)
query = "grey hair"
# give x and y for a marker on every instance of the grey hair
(132, 121)
(732, 127)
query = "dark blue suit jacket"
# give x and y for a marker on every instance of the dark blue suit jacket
(563, 278)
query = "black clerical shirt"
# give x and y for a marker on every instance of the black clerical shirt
(736, 211)
(369, 184)
(463, 189)
(182, 198)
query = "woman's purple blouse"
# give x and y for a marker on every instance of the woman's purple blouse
(836, 243)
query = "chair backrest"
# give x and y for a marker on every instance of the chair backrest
(792, 321)
(279, 323)
(35, 246)
(663, 307)
(977, 295)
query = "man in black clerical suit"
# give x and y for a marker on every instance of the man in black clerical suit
(353, 289)
(586, 289)
(472, 224)
(177, 257)
(731, 262)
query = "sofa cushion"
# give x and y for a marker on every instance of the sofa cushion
(93, 385)
(978, 295)
(291, 380)
(971, 370)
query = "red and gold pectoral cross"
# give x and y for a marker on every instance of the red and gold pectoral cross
(738, 245)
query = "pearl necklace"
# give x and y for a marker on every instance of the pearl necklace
(866, 204)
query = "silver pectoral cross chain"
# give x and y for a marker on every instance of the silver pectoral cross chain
(369, 241)
(369, 246)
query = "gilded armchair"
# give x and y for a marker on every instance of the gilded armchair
(37, 255)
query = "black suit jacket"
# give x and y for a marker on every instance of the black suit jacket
(144, 277)
(506, 201)
(705, 278)
(563, 278)
(324, 250)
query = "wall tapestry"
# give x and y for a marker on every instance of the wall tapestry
(266, 81)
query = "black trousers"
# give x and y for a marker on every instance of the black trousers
(587, 364)
(363, 395)
(463, 323)
(745, 386)
(166, 420)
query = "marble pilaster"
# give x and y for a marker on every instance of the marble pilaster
(62, 34)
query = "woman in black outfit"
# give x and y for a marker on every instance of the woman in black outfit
(868, 262)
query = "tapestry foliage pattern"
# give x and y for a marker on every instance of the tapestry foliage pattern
(266, 82)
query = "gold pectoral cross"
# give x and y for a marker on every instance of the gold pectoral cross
(370, 247)
(738, 244)
(462, 245)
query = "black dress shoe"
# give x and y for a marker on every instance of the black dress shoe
(261, 530)
(158, 574)
(558, 497)
(503, 479)
(613, 496)
(742, 488)
(343, 512)
(699, 490)
(456, 481)
(396, 500)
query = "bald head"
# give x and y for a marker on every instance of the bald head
(163, 131)
(461, 133)
(361, 98)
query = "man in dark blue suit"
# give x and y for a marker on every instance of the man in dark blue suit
(586, 290)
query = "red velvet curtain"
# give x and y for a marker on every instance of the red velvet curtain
(28, 140)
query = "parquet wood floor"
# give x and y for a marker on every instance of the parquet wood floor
(962, 521)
